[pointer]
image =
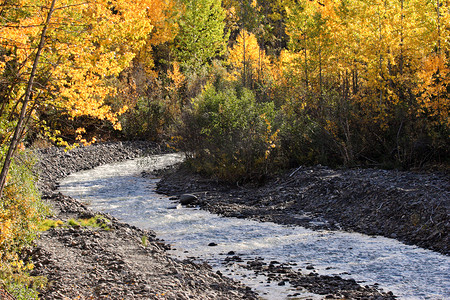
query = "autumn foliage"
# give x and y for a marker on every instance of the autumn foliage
(352, 82)
(373, 75)
(59, 62)
(245, 87)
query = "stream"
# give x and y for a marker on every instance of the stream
(119, 189)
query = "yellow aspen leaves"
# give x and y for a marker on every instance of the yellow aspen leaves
(87, 43)
(176, 77)
(433, 91)
(247, 57)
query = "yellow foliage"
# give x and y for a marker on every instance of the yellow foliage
(270, 138)
(87, 43)
(246, 54)
(435, 81)
(161, 14)
(374, 53)
(176, 77)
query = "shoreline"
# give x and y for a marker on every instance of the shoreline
(123, 262)
(115, 264)
(410, 207)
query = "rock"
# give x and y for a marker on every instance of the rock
(188, 199)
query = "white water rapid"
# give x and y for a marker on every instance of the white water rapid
(118, 189)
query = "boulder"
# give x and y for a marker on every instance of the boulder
(187, 199)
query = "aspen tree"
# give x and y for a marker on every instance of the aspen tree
(60, 54)
(201, 35)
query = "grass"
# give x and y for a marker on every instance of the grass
(144, 241)
(47, 224)
(94, 222)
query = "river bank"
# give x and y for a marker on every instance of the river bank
(123, 262)
(97, 264)
(412, 207)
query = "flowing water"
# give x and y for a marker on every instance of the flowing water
(118, 189)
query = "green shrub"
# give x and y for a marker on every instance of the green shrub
(228, 135)
(307, 137)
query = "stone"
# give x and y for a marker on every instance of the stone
(187, 199)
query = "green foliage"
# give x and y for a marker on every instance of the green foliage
(48, 224)
(159, 108)
(304, 141)
(201, 34)
(21, 209)
(155, 111)
(227, 134)
(72, 222)
(95, 222)
(21, 212)
(25, 289)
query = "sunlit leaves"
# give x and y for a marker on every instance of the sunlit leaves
(247, 58)
(87, 43)
(434, 89)
(201, 35)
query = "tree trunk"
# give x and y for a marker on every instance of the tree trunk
(306, 63)
(438, 10)
(401, 36)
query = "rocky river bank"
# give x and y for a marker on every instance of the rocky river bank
(123, 262)
(412, 207)
(129, 263)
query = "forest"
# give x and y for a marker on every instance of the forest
(244, 88)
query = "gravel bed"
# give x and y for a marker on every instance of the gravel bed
(123, 262)
(129, 263)
(412, 207)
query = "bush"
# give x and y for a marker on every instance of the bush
(304, 142)
(150, 118)
(21, 212)
(228, 135)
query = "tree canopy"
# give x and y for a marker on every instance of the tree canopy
(202, 34)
